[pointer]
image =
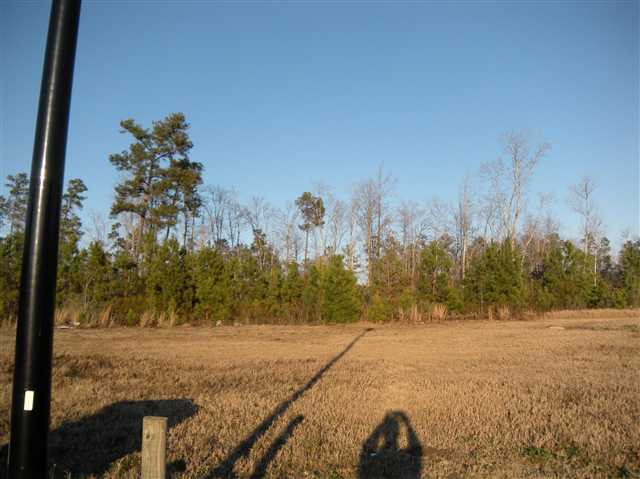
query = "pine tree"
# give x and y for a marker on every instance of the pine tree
(98, 275)
(72, 201)
(273, 300)
(160, 176)
(390, 279)
(10, 263)
(292, 287)
(69, 260)
(378, 310)
(312, 210)
(566, 277)
(213, 290)
(630, 272)
(312, 293)
(495, 278)
(16, 204)
(169, 283)
(340, 301)
(434, 273)
(4, 211)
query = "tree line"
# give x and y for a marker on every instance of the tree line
(176, 250)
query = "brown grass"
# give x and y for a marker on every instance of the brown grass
(593, 313)
(451, 399)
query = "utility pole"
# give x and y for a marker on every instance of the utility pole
(34, 338)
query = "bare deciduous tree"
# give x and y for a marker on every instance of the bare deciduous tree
(536, 232)
(215, 201)
(235, 221)
(259, 215)
(337, 219)
(438, 218)
(506, 200)
(411, 220)
(99, 227)
(582, 202)
(463, 217)
(289, 233)
(350, 250)
(224, 218)
(371, 198)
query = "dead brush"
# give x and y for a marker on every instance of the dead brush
(410, 315)
(61, 317)
(161, 319)
(69, 315)
(104, 317)
(503, 313)
(148, 319)
(7, 323)
(438, 311)
(415, 316)
(173, 318)
(167, 319)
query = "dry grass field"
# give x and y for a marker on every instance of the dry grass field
(553, 397)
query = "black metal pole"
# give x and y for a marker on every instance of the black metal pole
(34, 339)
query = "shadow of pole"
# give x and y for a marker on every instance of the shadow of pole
(225, 468)
(261, 468)
(91, 444)
(382, 456)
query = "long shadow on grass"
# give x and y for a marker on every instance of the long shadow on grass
(383, 458)
(225, 468)
(89, 445)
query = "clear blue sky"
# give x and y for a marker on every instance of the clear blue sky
(282, 95)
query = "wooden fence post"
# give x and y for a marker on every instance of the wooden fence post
(154, 447)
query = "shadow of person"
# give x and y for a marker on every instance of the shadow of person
(381, 455)
(89, 445)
